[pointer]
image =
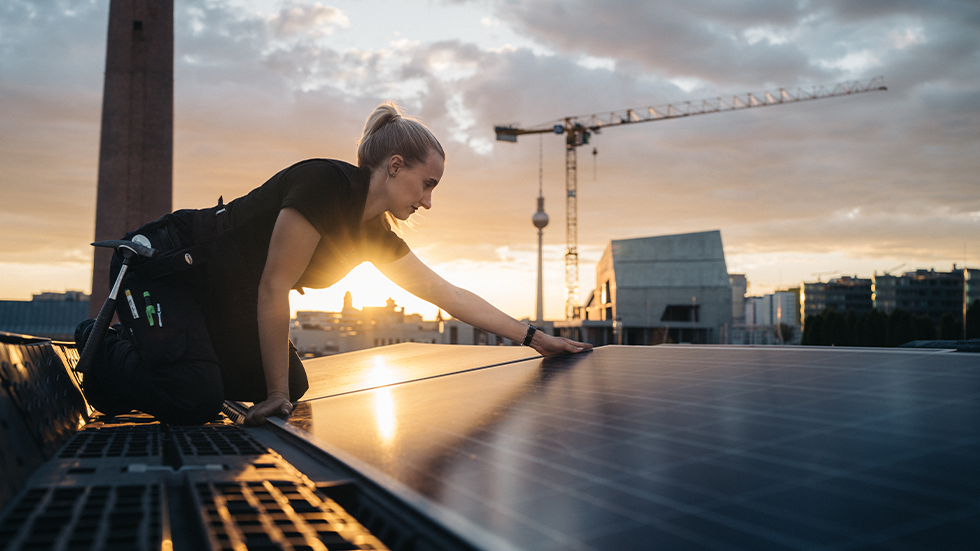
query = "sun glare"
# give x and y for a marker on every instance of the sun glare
(384, 404)
(368, 287)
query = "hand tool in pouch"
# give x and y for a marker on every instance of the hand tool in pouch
(129, 250)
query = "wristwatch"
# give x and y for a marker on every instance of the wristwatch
(530, 334)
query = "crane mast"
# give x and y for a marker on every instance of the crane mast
(578, 129)
(571, 223)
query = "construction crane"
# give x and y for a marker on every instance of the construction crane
(578, 129)
(821, 274)
(890, 270)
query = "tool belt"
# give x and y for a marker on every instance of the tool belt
(157, 306)
(172, 262)
(172, 255)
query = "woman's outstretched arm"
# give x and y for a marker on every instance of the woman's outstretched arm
(293, 242)
(414, 276)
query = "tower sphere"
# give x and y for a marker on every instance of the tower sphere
(540, 219)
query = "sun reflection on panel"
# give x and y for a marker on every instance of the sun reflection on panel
(384, 404)
(384, 414)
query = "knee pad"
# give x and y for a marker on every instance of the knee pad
(192, 412)
(102, 396)
(190, 394)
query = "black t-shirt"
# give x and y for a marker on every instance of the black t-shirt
(330, 195)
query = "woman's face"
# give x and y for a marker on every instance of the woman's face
(410, 188)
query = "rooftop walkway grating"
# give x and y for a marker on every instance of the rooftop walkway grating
(108, 489)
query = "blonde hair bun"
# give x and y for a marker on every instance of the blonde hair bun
(387, 132)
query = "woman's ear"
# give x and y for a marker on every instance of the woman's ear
(394, 164)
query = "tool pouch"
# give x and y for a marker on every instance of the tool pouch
(163, 320)
(156, 303)
(151, 312)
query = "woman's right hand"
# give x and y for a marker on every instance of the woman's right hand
(548, 345)
(258, 413)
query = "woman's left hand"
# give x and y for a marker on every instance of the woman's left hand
(548, 345)
(258, 413)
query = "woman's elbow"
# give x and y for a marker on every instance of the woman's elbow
(270, 292)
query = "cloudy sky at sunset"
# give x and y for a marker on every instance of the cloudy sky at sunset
(851, 185)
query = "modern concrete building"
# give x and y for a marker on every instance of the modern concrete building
(651, 290)
(136, 149)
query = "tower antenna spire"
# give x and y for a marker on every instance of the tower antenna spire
(540, 220)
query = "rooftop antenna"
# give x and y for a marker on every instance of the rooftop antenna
(594, 153)
(540, 220)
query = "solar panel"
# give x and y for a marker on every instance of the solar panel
(363, 369)
(680, 447)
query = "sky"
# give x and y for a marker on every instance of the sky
(846, 186)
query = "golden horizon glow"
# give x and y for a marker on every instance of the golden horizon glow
(368, 287)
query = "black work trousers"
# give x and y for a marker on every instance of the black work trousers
(179, 356)
(166, 369)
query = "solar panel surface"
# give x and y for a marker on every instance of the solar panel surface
(364, 369)
(681, 447)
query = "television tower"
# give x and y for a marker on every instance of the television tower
(540, 220)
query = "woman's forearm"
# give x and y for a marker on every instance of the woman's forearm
(415, 277)
(471, 309)
(273, 320)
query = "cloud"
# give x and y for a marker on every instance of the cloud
(905, 38)
(315, 19)
(51, 59)
(717, 42)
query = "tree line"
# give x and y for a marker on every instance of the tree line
(876, 328)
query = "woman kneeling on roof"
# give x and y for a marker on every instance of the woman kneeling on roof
(221, 327)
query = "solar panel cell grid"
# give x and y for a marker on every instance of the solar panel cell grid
(686, 447)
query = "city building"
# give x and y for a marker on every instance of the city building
(797, 309)
(769, 319)
(740, 285)
(324, 333)
(841, 294)
(457, 332)
(652, 290)
(777, 308)
(316, 333)
(928, 292)
(51, 315)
